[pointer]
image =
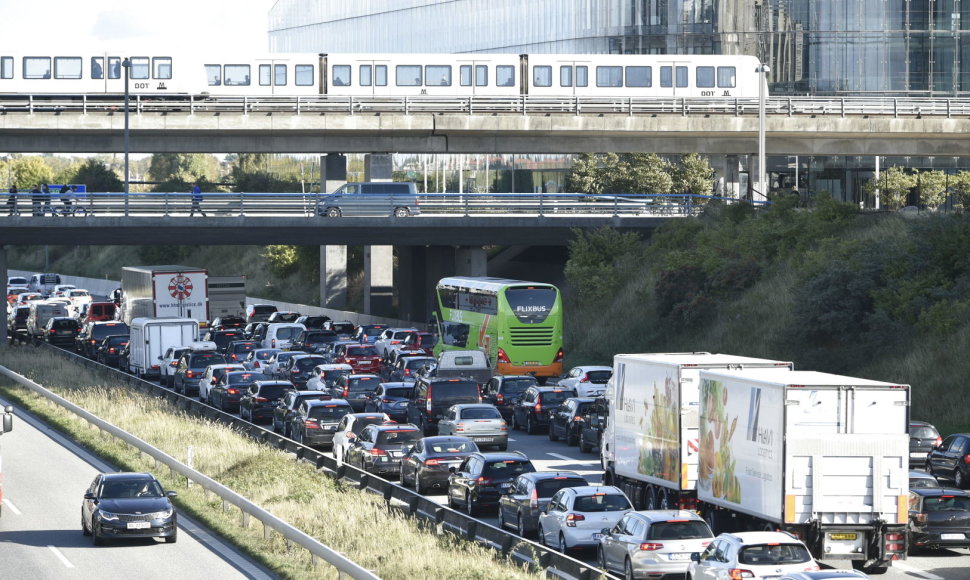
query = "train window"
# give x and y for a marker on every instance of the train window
(505, 76)
(279, 71)
(565, 76)
(705, 77)
(465, 75)
(6, 67)
(542, 76)
(681, 76)
(408, 75)
(582, 76)
(303, 74)
(366, 75)
(114, 67)
(37, 67)
(481, 75)
(213, 73)
(726, 77)
(667, 76)
(97, 67)
(381, 71)
(639, 76)
(341, 75)
(265, 75)
(437, 74)
(609, 76)
(139, 68)
(162, 66)
(237, 75)
(67, 67)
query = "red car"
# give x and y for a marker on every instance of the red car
(363, 358)
(420, 340)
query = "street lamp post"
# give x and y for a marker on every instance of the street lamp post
(127, 67)
(762, 71)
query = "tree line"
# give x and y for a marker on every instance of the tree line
(897, 187)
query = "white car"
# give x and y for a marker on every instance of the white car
(61, 290)
(212, 375)
(271, 367)
(752, 555)
(576, 516)
(350, 427)
(390, 339)
(79, 296)
(587, 381)
(168, 362)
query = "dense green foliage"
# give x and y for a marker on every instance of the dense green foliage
(871, 295)
(639, 173)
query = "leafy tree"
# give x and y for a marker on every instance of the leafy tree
(97, 177)
(594, 258)
(893, 186)
(183, 167)
(585, 175)
(931, 186)
(31, 171)
(960, 184)
(693, 174)
(642, 173)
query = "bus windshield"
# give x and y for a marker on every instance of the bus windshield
(531, 305)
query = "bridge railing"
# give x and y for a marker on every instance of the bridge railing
(249, 204)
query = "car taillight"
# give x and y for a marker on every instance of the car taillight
(376, 451)
(577, 419)
(966, 458)
(538, 407)
(559, 357)
(53, 331)
(895, 542)
(585, 379)
(233, 356)
(273, 343)
(738, 574)
(261, 399)
(650, 547)
(386, 401)
(295, 371)
(482, 480)
(190, 374)
(232, 391)
(534, 499)
(431, 462)
(502, 357)
(571, 519)
(111, 350)
(311, 424)
(407, 372)
(459, 428)
(346, 392)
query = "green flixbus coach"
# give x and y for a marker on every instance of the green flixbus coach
(517, 324)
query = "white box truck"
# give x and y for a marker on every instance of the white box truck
(650, 443)
(164, 291)
(149, 338)
(227, 296)
(822, 456)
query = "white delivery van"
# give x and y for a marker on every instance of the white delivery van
(282, 334)
(40, 313)
(151, 337)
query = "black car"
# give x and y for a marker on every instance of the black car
(432, 397)
(482, 478)
(124, 357)
(405, 369)
(299, 369)
(529, 493)
(312, 339)
(222, 338)
(238, 350)
(228, 391)
(128, 505)
(259, 400)
(565, 421)
(315, 421)
(939, 518)
(191, 367)
(355, 389)
(259, 312)
(313, 321)
(951, 460)
(593, 424)
(392, 399)
(379, 448)
(17, 323)
(532, 411)
(923, 437)
(343, 329)
(110, 348)
(426, 464)
(61, 331)
(368, 333)
(227, 323)
(505, 391)
(93, 333)
(288, 405)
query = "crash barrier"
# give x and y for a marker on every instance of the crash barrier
(555, 564)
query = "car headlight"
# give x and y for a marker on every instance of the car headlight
(108, 516)
(163, 515)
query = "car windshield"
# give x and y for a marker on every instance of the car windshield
(416, 363)
(923, 482)
(480, 413)
(360, 423)
(374, 331)
(288, 332)
(318, 336)
(264, 354)
(204, 359)
(507, 468)
(272, 391)
(125, 488)
(331, 413)
(105, 330)
(64, 324)
(517, 385)
(448, 447)
(599, 377)
(343, 328)
(306, 364)
(554, 397)
(402, 392)
(923, 432)
(679, 530)
(361, 351)
(238, 378)
(773, 554)
(398, 436)
(601, 502)
(117, 340)
(243, 347)
(947, 503)
(334, 375)
(363, 384)
(287, 316)
(548, 487)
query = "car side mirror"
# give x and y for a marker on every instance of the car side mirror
(89, 495)
(695, 556)
(453, 469)
(605, 531)
(171, 494)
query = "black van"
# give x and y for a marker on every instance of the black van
(431, 397)
(380, 199)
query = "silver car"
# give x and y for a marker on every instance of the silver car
(576, 516)
(649, 544)
(482, 423)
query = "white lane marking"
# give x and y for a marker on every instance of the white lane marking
(511, 440)
(12, 507)
(916, 571)
(563, 457)
(60, 556)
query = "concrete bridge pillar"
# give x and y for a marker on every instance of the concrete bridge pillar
(378, 167)
(333, 277)
(471, 261)
(378, 280)
(419, 269)
(727, 169)
(333, 171)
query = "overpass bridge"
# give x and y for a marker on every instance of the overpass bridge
(524, 124)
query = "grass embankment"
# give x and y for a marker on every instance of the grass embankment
(357, 524)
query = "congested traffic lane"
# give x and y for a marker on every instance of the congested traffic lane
(45, 476)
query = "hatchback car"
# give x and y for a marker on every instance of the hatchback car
(504, 391)
(587, 381)
(480, 422)
(260, 398)
(315, 421)
(368, 333)
(482, 479)
(576, 516)
(355, 389)
(287, 406)
(593, 424)
(343, 328)
(238, 350)
(532, 411)
(255, 359)
(313, 338)
(168, 363)
(951, 460)
(923, 437)
(939, 518)
(405, 369)
(529, 495)
(426, 464)
(751, 555)
(313, 321)
(212, 375)
(422, 340)
(283, 316)
(362, 357)
(390, 399)
(298, 369)
(652, 544)
(226, 394)
(222, 338)
(227, 323)
(349, 429)
(921, 479)
(128, 505)
(110, 348)
(259, 312)
(379, 448)
(390, 339)
(273, 363)
(93, 333)
(325, 376)
(61, 331)
(565, 422)
(191, 367)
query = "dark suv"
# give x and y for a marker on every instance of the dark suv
(530, 492)
(17, 323)
(504, 391)
(431, 397)
(355, 389)
(565, 421)
(298, 369)
(593, 424)
(61, 331)
(191, 367)
(311, 339)
(923, 437)
(286, 407)
(482, 478)
(93, 333)
(259, 400)
(532, 411)
(222, 338)
(315, 422)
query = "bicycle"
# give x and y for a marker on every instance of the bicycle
(74, 210)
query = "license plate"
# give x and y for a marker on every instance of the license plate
(483, 439)
(394, 453)
(139, 525)
(844, 536)
(917, 454)
(504, 485)
(681, 556)
(531, 363)
(952, 536)
(597, 536)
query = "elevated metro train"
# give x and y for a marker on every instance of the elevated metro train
(447, 75)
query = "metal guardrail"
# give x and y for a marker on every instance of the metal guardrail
(547, 205)
(552, 562)
(513, 105)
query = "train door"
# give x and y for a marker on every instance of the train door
(107, 71)
(475, 77)
(372, 77)
(674, 78)
(274, 77)
(571, 77)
